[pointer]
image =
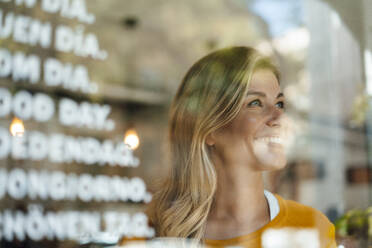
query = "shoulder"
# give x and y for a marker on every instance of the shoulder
(302, 216)
(305, 215)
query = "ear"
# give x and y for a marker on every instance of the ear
(210, 141)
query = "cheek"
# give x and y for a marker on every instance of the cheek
(240, 128)
(252, 126)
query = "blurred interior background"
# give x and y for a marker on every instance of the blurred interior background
(323, 49)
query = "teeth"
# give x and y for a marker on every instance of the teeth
(271, 139)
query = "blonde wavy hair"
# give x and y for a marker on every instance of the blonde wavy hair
(210, 96)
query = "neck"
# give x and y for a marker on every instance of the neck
(240, 203)
(239, 195)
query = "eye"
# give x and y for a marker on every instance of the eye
(256, 102)
(280, 104)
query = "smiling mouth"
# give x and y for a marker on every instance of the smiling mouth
(271, 140)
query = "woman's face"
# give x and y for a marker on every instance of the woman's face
(257, 137)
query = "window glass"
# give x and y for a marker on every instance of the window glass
(89, 133)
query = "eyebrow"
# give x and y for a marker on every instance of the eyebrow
(263, 94)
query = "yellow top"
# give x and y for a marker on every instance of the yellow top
(291, 215)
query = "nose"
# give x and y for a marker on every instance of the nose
(275, 115)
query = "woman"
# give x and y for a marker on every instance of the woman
(227, 126)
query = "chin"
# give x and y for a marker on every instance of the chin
(270, 157)
(271, 164)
